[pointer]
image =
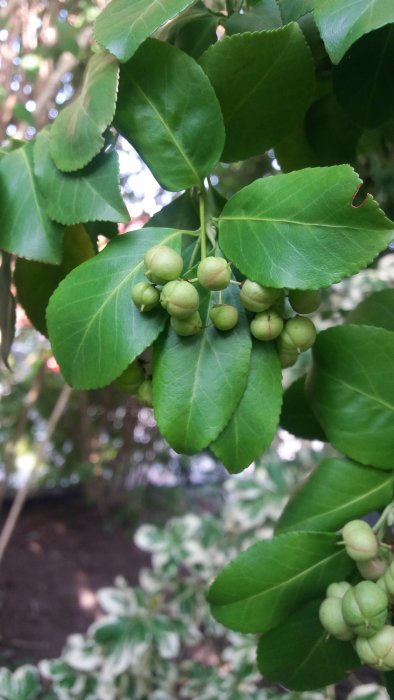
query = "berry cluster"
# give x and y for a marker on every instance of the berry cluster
(163, 267)
(361, 613)
(134, 381)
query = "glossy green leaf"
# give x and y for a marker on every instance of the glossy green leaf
(194, 31)
(271, 579)
(35, 281)
(292, 10)
(375, 310)
(178, 131)
(252, 427)
(361, 79)
(124, 25)
(351, 389)
(260, 16)
(294, 152)
(299, 230)
(94, 328)
(301, 656)
(76, 134)
(337, 491)
(264, 82)
(198, 381)
(7, 309)
(182, 212)
(342, 23)
(91, 194)
(23, 209)
(297, 416)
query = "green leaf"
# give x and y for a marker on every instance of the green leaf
(252, 427)
(198, 381)
(264, 584)
(301, 656)
(23, 210)
(297, 416)
(292, 10)
(124, 25)
(194, 31)
(91, 194)
(76, 134)
(7, 309)
(294, 152)
(351, 390)
(342, 23)
(94, 328)
(264, 82)
(299, 230)
(263, 15)
(361, 79)
(375, 310)
(178, 131)
(332, 135)
(35, 282)
(337, 491)
(182, 212)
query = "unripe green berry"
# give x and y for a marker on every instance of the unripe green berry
(214, 273)
(373, 569)
(378, 651)
(364, 608)
(287, 358)
(267, 325)
(337, 590)
(162, 264)
(179, 298)
(131, 378)
(299, 334)
(330, 615)
(304, 301)
(187, 326)
(360, 541)
(224, 317)
(144, 392)
(145, 296)
(255, 297)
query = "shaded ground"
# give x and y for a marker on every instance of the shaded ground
(61, 553)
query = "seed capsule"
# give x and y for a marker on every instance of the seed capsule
(330, 615)
(224, 317)
(360, 541)
(364, 608)
(255, 297)
(267, 325)
(145, 296)
(162, 264)
(187, 326)
(145, 392)
(304, 301)
(214, 273)
(131, 378)
(378, 651)
(179, 298)
(373, 569)
(298, 335)
(337, 590)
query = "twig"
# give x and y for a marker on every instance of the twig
(20, 498)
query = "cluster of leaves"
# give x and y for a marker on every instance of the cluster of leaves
(308, 80)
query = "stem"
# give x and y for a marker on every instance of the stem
(20, 498)
(203, 238)
(220, 297)
(194, 253)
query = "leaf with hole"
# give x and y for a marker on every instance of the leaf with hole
(300, 230)
(178, 131)
(94, 328)
(76, 134)
(350, 387)
(337, 491)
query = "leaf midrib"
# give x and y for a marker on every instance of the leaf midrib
(289, 221)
